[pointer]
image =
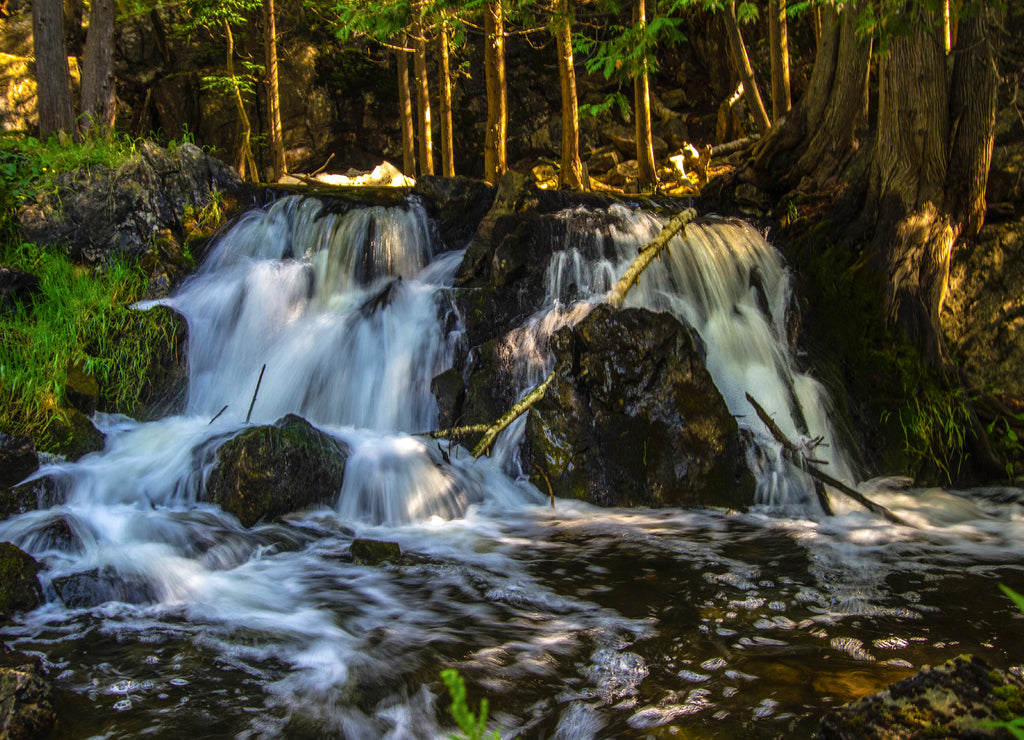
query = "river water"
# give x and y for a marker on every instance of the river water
(574, 621)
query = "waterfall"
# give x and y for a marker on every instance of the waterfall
(722, 278)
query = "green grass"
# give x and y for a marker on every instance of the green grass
(28, 164)
(82, 317)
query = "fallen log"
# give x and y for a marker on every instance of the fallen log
(511, 415)
(795, 455)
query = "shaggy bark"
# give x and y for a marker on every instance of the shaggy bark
(419, 45)
(647, 176)
(56, 114)
(778, 39)
(405, 112)
(99, 94)
(445, 75)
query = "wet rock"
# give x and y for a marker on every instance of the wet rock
(100, 214)
(457, 205)
(39, 493)
(633, 418)
(1006, 174)
(375, 552)
(18, 459)
(267, 471)
(19, 582)
(450, 394)
(950, 701)
(17, 288)
(501, 278)
(27, 704)
(98, 586)
(71, 434)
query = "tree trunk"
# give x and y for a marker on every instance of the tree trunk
(56, 114)
(405, 112)
(246, 163)
(647, 176)
(778, 34)
(495, 156)
(739, 54)
(570, 174)
(419, 56)
(277, 166)
(818, 137)
(99, 93)
(444, 72)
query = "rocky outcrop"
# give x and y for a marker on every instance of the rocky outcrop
(633, 418)
(99, 214)
(267, 471)
(950, 701)
(19, 582)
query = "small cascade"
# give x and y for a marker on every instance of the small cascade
(723, 279)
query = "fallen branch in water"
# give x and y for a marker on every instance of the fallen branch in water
(795, 455)
(647, 254)
(511, 415)
(457, 432)
(255, 393)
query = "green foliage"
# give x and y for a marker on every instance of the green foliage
(616, 100)
(81, 317)
(630, 50)
(472, 727)
(1008, 698)
(935, 424)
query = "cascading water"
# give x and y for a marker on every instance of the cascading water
(170, 618)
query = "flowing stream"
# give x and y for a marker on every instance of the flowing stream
(574, 621)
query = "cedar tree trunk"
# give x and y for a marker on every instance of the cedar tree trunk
(739, 55)
(778, 36)
(419, 56)
(278, 166)
(99, 93)
(445, 74)
(405, 112)
(56, 113)
(647, 176)
(570, 174)
(495, 156)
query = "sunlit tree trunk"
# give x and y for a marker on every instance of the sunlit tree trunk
(56, 112)
(405, 112)
(277, 166)
(570, 174)
(778, 38)
(647, 176)
(445, 75)
(99, 94)
(246, 163)
(495, 157)
(739, 54)
(419, 45)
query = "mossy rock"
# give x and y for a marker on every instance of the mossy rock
(633, 418)
(18, 459)
(267, 471)
(19, 582)
(70, 433)
(375, 552)
(953, 700)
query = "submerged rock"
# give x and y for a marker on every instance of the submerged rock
(19, 582)
(267, 471)
(951, 701)
(100, 585)
(633, 418)
(374, 552)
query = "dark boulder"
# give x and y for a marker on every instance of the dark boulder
(100, 214)
(633, 418)
(19, 582)
(18, 459)
(27, 702)
(17, 288)
(450, 394)
(39, 493)
(457, 205)
(100, 585)
(71, 434)
(950, 701)
(267, 471)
